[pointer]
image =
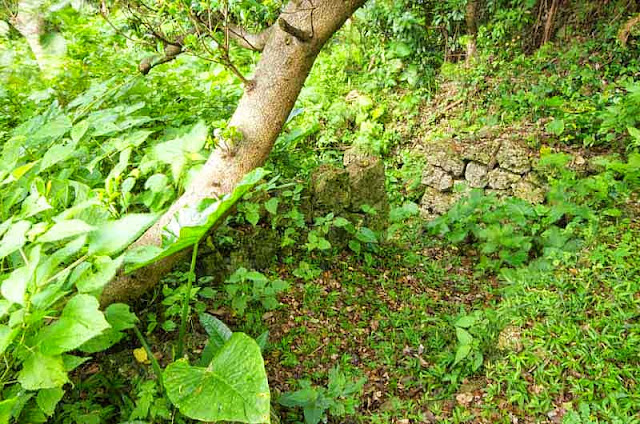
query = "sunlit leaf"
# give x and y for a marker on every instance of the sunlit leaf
(81, 320)
(232, 388)
(192, 223)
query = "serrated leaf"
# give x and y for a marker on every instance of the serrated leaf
(41, 371)
(120, 318)
(47, 399)
(6, 409)
(81, 320)
(106, 269)
(7, 334)
(71, 362)
(14, 288)
(232, 388)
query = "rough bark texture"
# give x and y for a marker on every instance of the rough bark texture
(548, 26)
(261, 113)
(471, 18)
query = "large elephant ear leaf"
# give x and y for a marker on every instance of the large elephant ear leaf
(233, 387)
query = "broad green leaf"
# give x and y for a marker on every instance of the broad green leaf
(218, 333)
(107, 268)
(5, 305)
(120, 318)
(462, 352)
(6, 336)
(271, 205)
(466, 321)
(15, 287)
(114, 236)
(190, 224)
(65, 229)
(299, 398)
(14, 238)
(56, 154)
(463, 336)
(71, 362)
(81, 320)
(41, 371)
(232, 388)
(6, 409)
(556, 127)
(48, 399)
(20, 171)
(79, 130)
(365, 235)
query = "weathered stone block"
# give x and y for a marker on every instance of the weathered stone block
(500, 179)
(476, 175)
(513, 157)
(448, 161)
(482, 152)
(437, 178)
(525, 190)
(331, 189)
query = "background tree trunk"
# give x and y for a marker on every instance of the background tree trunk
(471, 17)
(261, 113)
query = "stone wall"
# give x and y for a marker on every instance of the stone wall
(501, 166)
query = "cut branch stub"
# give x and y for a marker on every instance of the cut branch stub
(303, 36)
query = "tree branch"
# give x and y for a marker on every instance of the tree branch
(300, 34)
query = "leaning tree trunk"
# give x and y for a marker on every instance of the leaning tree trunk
(30, 24)
(286, 61)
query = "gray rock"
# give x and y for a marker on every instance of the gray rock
(367, 184)
(435, 202)
(448, 161)
(513, 157)
(481, 152)
(355, 155)
(476, 175)
(500, 179)
(526, 190)
(331, 191)
(437, 178)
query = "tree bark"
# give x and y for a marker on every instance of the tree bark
(471, 17)
(261, 113)
(29, 22)
(548, 26)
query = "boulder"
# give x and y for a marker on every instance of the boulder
(528, 191)
(435, 202)
(330, 189)
(513, 157)
(481, 152)
(447, 161)
(437, 178)
(500, 179)
(476, 175)
(367, 184)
